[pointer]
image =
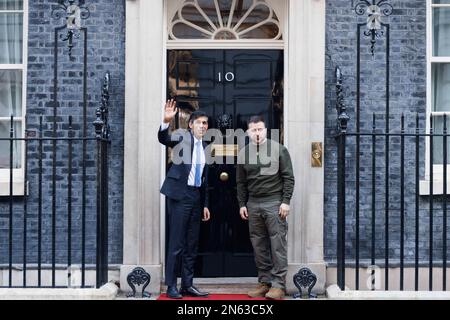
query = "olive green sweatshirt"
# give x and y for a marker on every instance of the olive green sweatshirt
(264, 171)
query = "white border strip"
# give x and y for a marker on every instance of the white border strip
(224, 44)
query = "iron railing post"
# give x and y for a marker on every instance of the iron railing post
(341, 212)
(104, 213)
(100, 279)
(102, 134)
(342, 121)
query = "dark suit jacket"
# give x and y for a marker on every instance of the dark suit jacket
(175, 184)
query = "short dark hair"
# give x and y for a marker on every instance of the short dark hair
(256, 119)
(197, 114)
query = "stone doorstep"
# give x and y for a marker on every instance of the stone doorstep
(213, 286)
(335, 293)
(107, 292)
(222, 285)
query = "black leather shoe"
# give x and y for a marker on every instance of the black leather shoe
(193, 292)
(172, 292)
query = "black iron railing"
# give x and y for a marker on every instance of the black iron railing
(391, 201)
(58, 211)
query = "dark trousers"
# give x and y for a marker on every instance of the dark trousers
(184, 228)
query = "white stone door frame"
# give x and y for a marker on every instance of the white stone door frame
(145, 77)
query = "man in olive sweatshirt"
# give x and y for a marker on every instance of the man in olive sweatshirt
(265, 183)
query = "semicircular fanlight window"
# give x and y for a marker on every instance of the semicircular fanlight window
(225, 20)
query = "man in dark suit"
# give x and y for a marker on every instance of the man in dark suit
(185, 188)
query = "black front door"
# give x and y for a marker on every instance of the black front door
(230, 86)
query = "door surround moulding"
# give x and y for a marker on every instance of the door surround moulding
(304, 48)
